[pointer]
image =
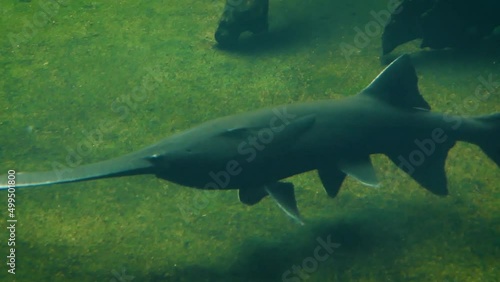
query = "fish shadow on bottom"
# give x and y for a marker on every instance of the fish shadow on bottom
(369, 244)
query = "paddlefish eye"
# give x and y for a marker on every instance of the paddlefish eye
(159, 161)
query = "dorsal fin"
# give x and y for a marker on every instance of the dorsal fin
(397, 85)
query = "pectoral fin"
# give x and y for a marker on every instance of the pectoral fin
(284, 136)
(332, 179)
(284, 195)
(360, 168)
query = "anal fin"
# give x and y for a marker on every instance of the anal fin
(360, 168)
(251, 195)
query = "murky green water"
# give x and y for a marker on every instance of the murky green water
(73, 78)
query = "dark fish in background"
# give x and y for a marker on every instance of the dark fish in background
(252, 152)
(441, 23)
(240, 16)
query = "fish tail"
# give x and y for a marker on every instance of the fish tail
(490, 141)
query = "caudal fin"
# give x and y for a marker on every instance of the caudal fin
(490, 143)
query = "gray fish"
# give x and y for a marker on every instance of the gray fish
(252, 152)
